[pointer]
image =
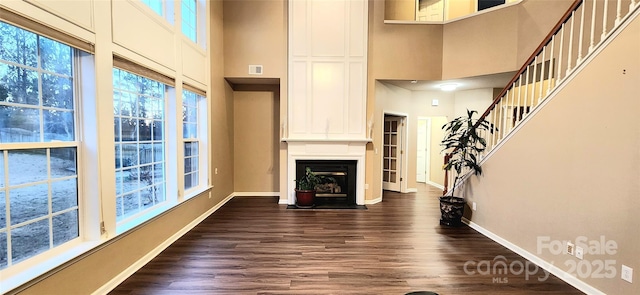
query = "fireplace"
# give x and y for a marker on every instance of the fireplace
(339, 185)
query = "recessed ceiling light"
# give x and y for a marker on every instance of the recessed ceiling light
(448, 86)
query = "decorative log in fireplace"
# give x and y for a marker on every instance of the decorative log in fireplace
(341, 179)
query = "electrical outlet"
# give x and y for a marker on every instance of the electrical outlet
(366, 186)
(474, 206)
(627, 273)
(570, 248)
(579, 253)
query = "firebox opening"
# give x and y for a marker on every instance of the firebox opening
(339, 185)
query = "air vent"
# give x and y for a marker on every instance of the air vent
(255, 69)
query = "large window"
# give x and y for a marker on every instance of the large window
(139, 114)
(189, 19)
(38, 146)
(190, 119)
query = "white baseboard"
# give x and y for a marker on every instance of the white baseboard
(256, 194)
(282, 201)
(374, 201)
(431, 183)
(412, 190)
(561, 274)
(106, 288)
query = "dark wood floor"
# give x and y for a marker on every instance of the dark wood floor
(252, 245)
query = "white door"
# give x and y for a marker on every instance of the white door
(422, 156)
(392, 153)
(430, 10)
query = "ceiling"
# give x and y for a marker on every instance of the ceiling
(486, 81)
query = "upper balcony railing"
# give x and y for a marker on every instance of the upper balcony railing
(582, 29)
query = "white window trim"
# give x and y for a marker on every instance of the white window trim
(88, 199)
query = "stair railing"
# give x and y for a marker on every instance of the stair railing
(585, 26)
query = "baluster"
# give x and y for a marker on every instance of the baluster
(580, 45)
(493, 124)
(570, 51)
(604, 20)
(551, 65)
(505, 113)
(632, 5)
(618, 12)
(513, 106)
(526, 93)
(544, 49)
(534, 83)
(560, 53)
(519, 98)
(593, 27)
(498, 124)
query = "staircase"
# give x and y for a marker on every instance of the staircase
(586, 27)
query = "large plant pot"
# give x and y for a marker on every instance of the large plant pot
(305, 198)
(451, 210)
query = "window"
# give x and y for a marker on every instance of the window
(192, 146)
(155, 5)
(189, 19)
(139, 117)
(38, 145)
(485, 4)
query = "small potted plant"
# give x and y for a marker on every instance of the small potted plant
(463, 142)
(306, 189)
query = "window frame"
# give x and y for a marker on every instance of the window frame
(165, 12)
(200, 139)
(87, 201)
(193, 20)
(143, 214)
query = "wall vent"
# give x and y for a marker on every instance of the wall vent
(255, 69)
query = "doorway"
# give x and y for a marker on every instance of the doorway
(393, 152)
(423, 150)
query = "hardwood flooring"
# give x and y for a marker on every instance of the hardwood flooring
(252, 245)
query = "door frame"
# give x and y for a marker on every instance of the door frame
(427, 157)
(404, 154)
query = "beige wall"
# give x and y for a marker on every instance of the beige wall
(574, 185)
(398, 51)
(498, 41)
(536, 19)
(255, 33)
(436, 174)
(474, 100)
(459, 8)
(399, 9)
(256, 141)
(480, 45)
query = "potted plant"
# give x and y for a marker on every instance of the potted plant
(306, 189)
(463, 141)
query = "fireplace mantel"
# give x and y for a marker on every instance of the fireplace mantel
(326, 150)
(338, 140)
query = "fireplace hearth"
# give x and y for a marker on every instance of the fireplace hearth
(339, 187)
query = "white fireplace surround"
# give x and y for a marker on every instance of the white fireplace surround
(326, 150)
